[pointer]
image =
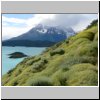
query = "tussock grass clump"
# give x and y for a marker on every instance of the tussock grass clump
(84, 34)
(57, 51)
(70, 61)
(90, 49)
(30, 62)
(13, 83)
(59, 78)
(17, 72)
(41, 81)
(39, 65)
(26, 60)
(82, 75)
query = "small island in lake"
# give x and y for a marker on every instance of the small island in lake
(17, 55)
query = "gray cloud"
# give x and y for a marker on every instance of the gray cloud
(76, 21)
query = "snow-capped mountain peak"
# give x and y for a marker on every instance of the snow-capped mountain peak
(42, 31)
(53, 34)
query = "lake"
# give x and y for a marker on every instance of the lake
(8, 63)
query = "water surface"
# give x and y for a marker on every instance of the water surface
(8, 63)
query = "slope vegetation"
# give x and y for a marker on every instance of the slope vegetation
(72, 62)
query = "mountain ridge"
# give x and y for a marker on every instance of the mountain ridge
(48, 34)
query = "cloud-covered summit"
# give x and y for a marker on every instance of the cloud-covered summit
(14, 25)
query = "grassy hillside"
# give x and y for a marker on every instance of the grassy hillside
(73, 62)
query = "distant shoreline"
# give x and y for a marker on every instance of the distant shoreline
(24, 46)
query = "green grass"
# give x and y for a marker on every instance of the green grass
(41, 81)
(83, 75)
(72, 62)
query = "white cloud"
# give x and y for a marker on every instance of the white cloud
(9, 32)
(13, 20)
(39, 18)
(76, 21)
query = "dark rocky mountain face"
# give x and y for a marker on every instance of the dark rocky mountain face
(41, 36)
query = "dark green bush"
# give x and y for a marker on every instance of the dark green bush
(15, 83)
(57, 51)
(10, 71)
(65, 68)
(63, 81)
(45, 61)
(42, 81)
(31, 61)
(67, 41)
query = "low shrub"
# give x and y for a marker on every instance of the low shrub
(41, 81)
(57, 51)
(39, 65)
(59, 78)
(67, 41)
(10, 71)
(45, 61)
(12, 83)
(63, 80)
(15, 83)
(31, 61)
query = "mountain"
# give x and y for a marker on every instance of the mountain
(72, 62)
(40, 36)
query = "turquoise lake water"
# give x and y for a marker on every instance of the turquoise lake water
(8, 63)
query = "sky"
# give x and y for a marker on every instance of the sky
(16, 24)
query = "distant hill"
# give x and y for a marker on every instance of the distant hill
(40, 36)
(72, 62)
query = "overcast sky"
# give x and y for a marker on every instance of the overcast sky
(17, 24)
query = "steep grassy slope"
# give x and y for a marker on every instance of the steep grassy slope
(73, 62)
